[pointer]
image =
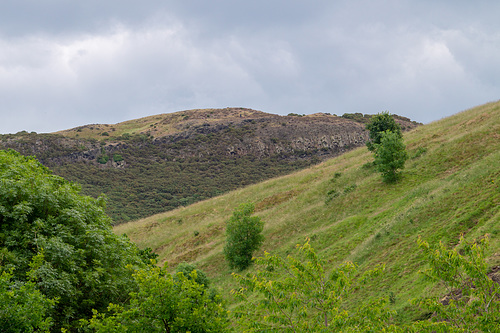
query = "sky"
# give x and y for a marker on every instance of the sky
(68, 63)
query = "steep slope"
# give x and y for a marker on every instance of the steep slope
(157, 163)
(451, 186)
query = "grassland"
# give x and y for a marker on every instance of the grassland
(451, 186)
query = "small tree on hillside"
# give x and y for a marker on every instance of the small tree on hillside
(390, 156)
(298, 294)
(243, 237)
(379, 124)
(386, 142)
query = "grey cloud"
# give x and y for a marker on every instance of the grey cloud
(64, 64)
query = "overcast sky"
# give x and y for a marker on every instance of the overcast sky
(65, 63)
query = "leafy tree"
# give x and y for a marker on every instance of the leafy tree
(379, 124)
(83, 264)
(300, 296)
(23, 308)
(164, 304)
(472, 301)
(243, 236)
(390, 155)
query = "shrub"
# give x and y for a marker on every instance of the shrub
(164, 303)
(390, 156)
(187, 268)
(23, 308)
(298, 294)
(117, 158)
(103, 159)
(472, 303)
(378, 124)
(243, 236)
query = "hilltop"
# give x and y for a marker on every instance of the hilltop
(157, 163)
(450, 187)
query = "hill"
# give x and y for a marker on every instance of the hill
(157, 163)
(450, 187)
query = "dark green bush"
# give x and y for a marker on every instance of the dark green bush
(377, 125)
(390, 156)
(243, 236)
(117, 158)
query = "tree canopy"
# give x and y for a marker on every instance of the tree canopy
(390, 156)
(243, 236)
(379, 124)
(165, 303)
(82, 264)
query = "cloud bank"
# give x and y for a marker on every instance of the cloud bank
(64, 65)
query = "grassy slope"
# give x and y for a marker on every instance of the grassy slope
(452, 188)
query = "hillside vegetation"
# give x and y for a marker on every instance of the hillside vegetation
(450, 187)
(154, 164)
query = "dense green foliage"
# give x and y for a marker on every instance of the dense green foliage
(379, 124)
(79, 261)
(304, 296)
(187, 268)
(164, 304)
(243, 236)
(390, 156)
(23, 308)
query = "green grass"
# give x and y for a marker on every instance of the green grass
(451, 186)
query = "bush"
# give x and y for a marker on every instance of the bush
(117, 158)
(472, 302)
(378, 124)
(390, 156)
(187, 268)
(103, 159)
(164, 303)
(243, 237)
(298, 294)
(23, 308)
